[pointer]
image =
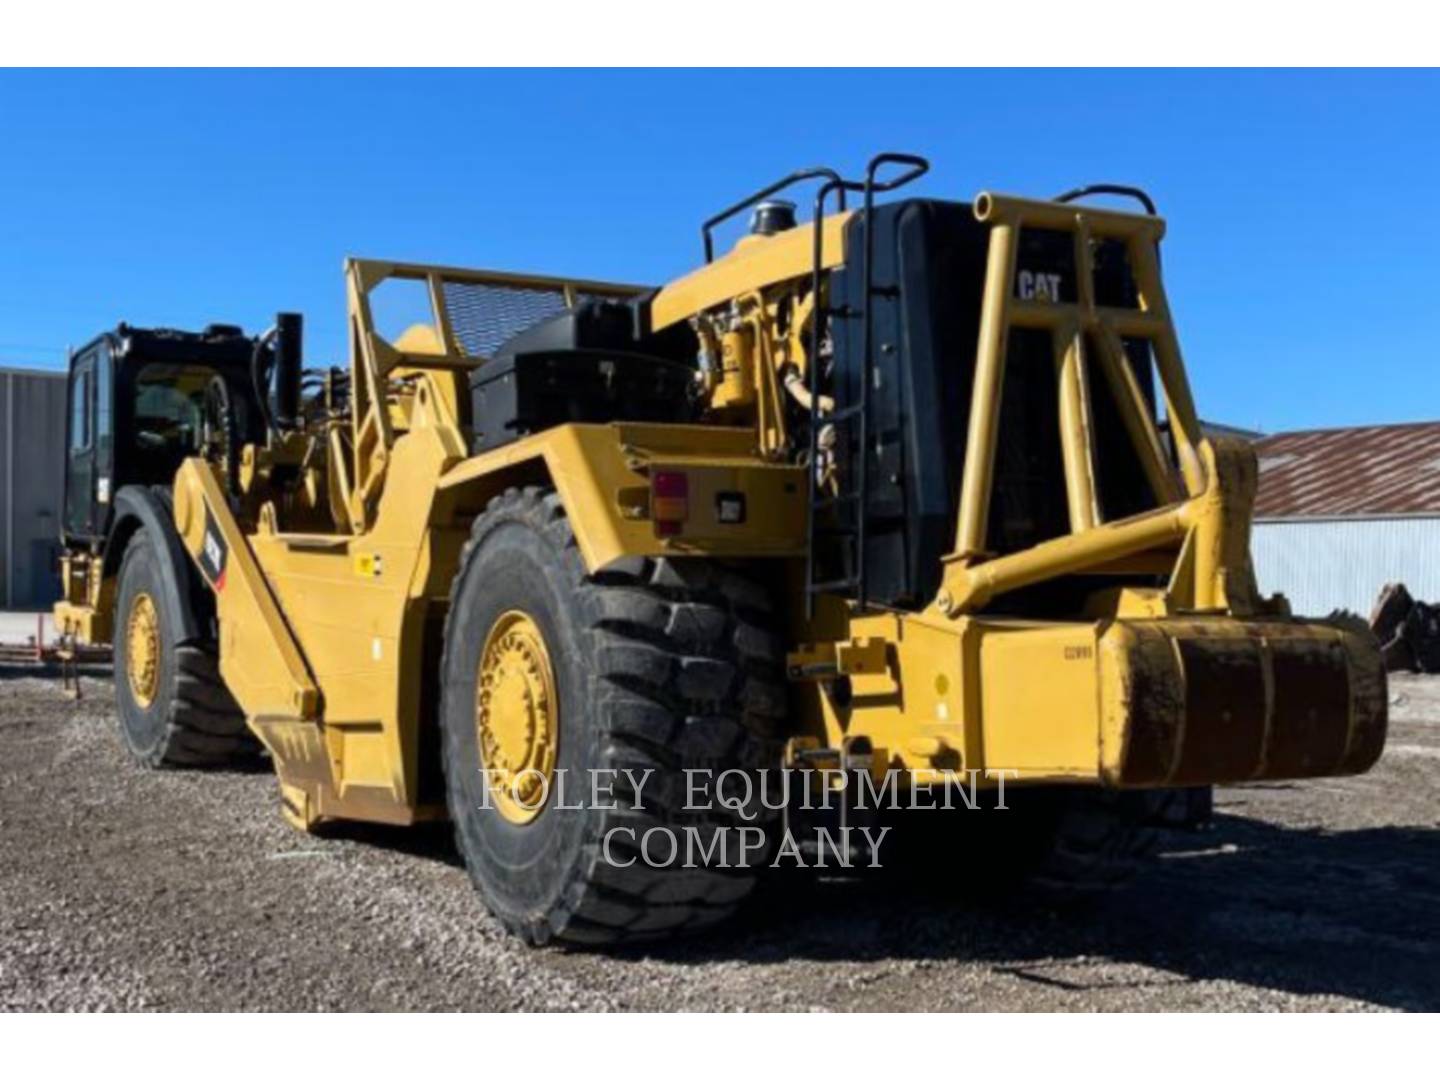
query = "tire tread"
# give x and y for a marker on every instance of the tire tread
(204, 727)
(682, 674)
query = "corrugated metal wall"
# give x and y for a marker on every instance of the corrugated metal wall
(1324, 564)
(32, 472)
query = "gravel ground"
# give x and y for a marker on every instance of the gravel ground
(121, 889)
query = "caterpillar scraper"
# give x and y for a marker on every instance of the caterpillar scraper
(910, 492)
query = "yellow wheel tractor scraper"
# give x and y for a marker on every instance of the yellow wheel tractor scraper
(911, 493)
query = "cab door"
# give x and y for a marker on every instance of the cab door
(88, 445)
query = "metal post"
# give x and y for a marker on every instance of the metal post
(985, 402)
(1075, 415)
(1135, 413)
(1179, 404)
(1075, 429)
(971, 588)
(9, 488)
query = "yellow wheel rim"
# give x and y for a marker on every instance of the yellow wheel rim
(517, 721)
(142, 650)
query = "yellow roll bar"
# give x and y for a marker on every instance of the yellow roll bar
(1211, 477)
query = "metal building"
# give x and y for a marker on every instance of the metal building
(1341, 512)
(32, 470)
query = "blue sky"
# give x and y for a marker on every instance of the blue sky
(1301, 258)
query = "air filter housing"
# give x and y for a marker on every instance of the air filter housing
(771, 217)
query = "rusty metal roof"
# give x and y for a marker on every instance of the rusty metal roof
(1386, 470)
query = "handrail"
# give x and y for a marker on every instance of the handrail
(802, 175)
(1138, 194)
(834, 183)
(918, 166)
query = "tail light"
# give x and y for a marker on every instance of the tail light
(669, 502)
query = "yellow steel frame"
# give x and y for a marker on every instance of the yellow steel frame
(375, 362)
(1198, 682)
(756, 263)
(323, 636)
(1149, 699)
(1213, 476)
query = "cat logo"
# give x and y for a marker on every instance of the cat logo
(1032, 286)
(213, 554)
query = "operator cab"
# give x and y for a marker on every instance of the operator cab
(141, 402)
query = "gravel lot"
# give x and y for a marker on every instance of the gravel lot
(121, 889)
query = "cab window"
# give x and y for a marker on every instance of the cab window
(169, 410)
(80, 409)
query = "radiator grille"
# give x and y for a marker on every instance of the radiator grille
(484, 317)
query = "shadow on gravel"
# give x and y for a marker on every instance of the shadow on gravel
(28, 670)
(434, 840)
(1355, 914)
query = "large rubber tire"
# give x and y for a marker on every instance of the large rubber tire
(663, 665)
(190, 720)
(1057, 844)
(1095, 843)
